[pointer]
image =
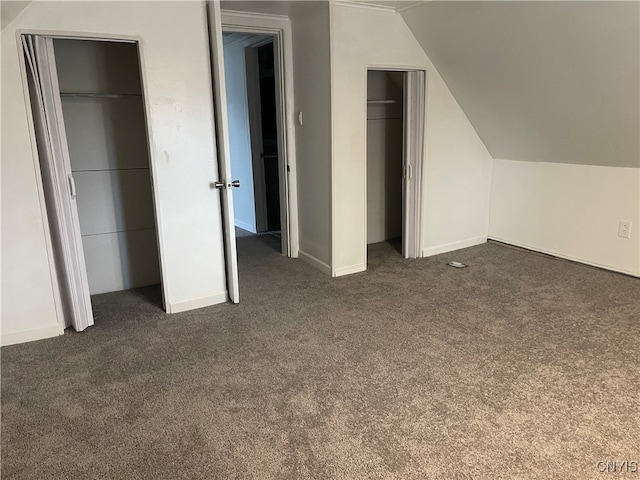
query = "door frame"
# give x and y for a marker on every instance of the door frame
(414, 122)
(279, 27)
(97, 37)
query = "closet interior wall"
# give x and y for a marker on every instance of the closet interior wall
(384, 155)
(104, 119)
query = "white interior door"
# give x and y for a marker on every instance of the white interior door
(414, 110)
(58, 182)
(225, 183)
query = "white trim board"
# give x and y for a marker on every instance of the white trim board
(41, 333)
(227, 17)
(450, 247)
(564, 257)
(364, 5)
(185, 305)
(348, 270)
(314, 262)
(245, 226)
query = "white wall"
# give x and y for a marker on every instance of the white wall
(457, 173)
(176, 76)
(244, 208)
(571, 211)
(312, 83)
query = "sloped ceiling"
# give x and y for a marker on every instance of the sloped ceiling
(9, 10)
(541, 81)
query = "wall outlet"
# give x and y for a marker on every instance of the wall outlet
(624, 229)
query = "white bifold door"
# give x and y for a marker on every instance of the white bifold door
(59, 186)
(224, 183)
(413, 115)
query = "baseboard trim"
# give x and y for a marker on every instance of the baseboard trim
(12, 338)
(192, 304)
(565, 257)
(450, 247)
(245, 226)
(314, 262)
(360, 267)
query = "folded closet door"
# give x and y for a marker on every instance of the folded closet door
(58, 181)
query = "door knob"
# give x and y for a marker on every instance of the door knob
(235, 183)
(216, 184)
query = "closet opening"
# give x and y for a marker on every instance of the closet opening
(395, 141)
(384, 157)
(89, 117)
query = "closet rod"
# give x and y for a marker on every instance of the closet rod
(100, 95)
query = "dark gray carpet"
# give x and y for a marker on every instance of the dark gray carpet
(518, 367)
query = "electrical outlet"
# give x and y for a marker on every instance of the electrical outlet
(624, 229)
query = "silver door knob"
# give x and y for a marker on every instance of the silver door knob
(235, 183)
(217, 185)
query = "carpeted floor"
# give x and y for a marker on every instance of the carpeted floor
(518, 367)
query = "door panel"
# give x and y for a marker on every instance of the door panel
(222, 137)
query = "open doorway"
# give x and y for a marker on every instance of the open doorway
(395, 137)
(89, 122)
(255, 132)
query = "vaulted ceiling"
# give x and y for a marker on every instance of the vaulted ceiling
(541, 81)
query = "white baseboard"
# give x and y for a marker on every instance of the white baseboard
(192, 304)
(245, 226)
(11, 338)
(314, 262)
(565, 257)
(360, 267)
(450, 247)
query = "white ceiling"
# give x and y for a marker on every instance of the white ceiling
(542, 81)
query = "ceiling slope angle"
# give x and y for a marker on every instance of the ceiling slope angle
(541, 81)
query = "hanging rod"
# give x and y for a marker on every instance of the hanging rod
(100, 95)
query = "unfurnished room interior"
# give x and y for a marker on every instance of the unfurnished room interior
(335, 239)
